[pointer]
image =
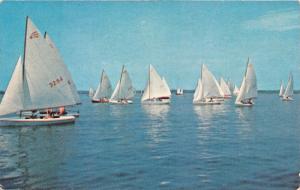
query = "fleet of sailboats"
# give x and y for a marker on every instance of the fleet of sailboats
(289, 91)
(124, 91)
(248, 90)
(157, 90)
(104, 90)
(40, 81)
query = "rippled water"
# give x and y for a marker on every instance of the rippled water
(177, 146)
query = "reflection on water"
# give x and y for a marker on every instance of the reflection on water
(157, 124)
(32, 155)
(207, 113)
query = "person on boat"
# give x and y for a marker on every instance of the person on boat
(34, 114)
(249, 101)
(211, 100)
(61, 110)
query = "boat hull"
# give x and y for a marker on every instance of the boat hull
(240, 104)
(120, 102)
(14, 121)
(287, 99)
(103, 101)
(156, 102)
(206, 103)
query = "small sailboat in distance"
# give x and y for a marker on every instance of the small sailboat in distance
(156, 90)
(124, 91)
(289, 91)
(281, 90)
(38, 85)
(248, 90)
(91, 92)
(179, 92)
(225, 88)
(236, 90)
(104, 90)
(208, 90)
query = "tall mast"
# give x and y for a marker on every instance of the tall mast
(24, 58)
(120, 82)
(149, 80)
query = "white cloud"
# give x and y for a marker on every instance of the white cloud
(276, 21)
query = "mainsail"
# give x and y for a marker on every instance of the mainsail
(57, 62)
(289, 91)
(124, 88)
(155, 87)
(248, 88)
(104, 88)
(39, 83)
(225, 88)
(211, 87)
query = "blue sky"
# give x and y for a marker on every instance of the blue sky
(176, 37)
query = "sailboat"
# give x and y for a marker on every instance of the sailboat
(208, 90)
(40, 81)
(248, 90)
(225, 88)
(281, 91)
(289, 91)
(91, 92)
(103, 91)
(236, 90)
(124, 91)
(179, 91)
(156, 91)
(166, 86)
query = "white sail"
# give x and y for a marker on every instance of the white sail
(155, 87)
(166, 86)
(281, 91)
(198, 95)
(289, 91)
(124, 88)
(236, 90)
(104, 89)
(57, 62)
(225, 88)
(12, 100)
(248, 88)
(43, 86)
(211, 87)
(91, 92)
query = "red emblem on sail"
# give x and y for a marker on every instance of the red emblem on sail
(34, 34)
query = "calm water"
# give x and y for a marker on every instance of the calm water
(179, 146)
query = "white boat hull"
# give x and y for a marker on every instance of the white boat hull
(156, 102)
(207, 103)
(287, 99)
(240, 104)
(120, 102)
(15, 121)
